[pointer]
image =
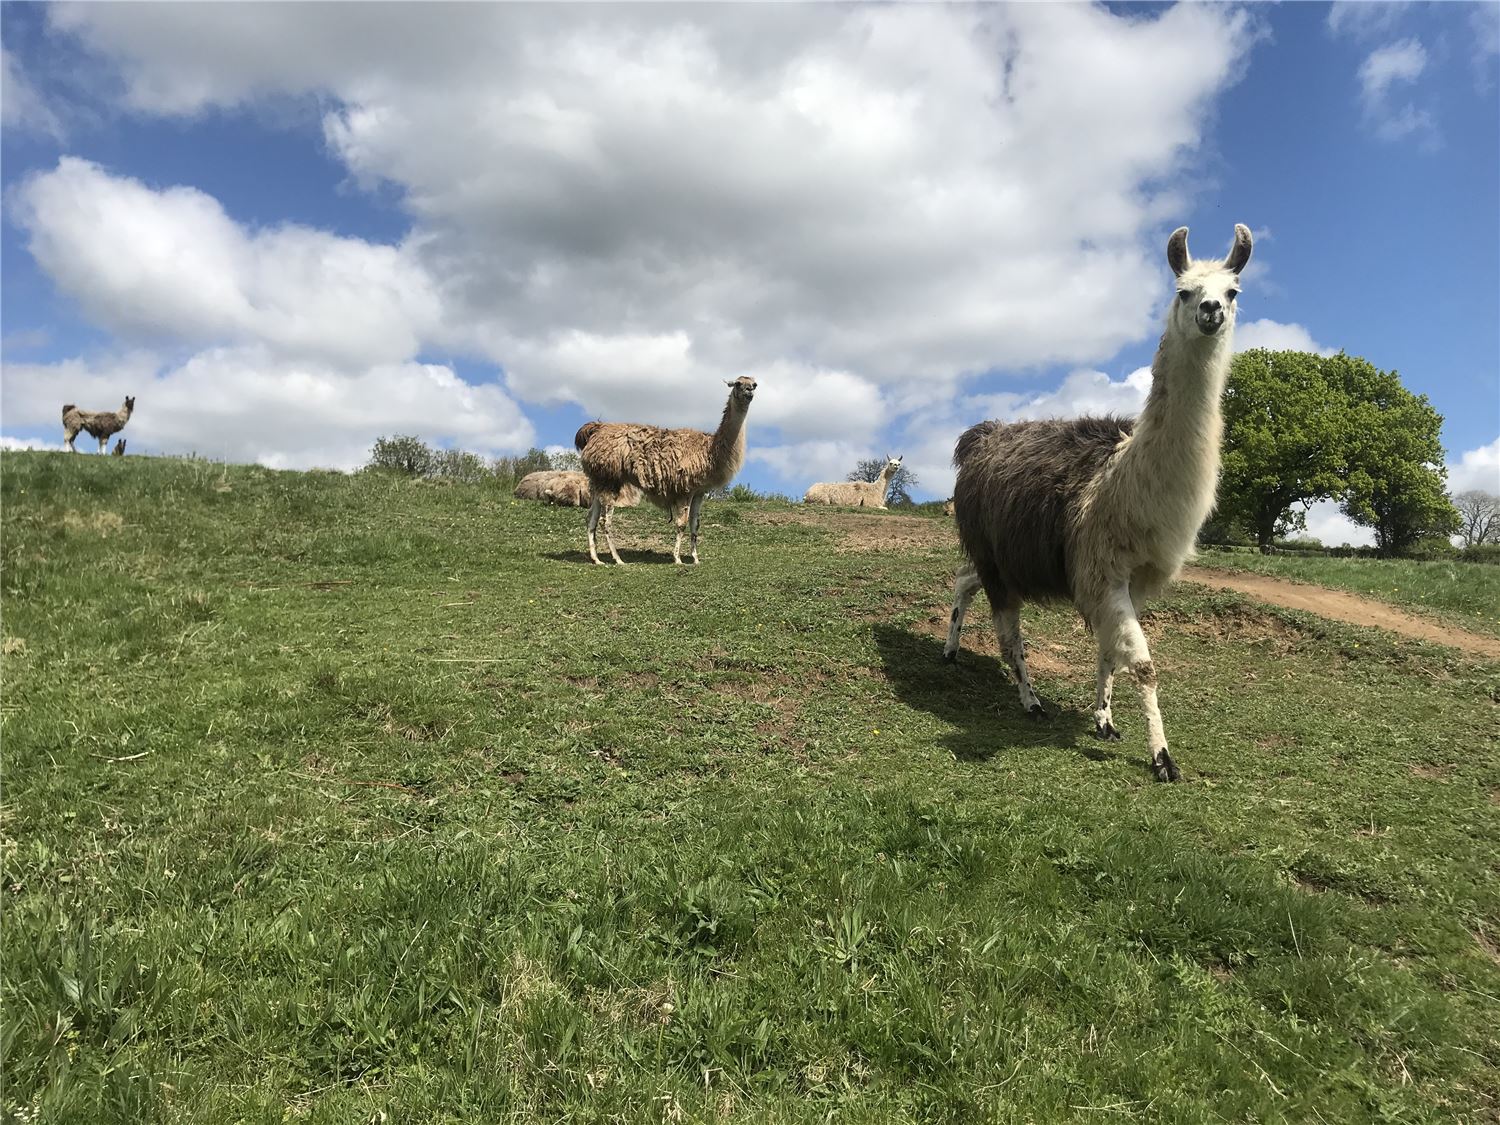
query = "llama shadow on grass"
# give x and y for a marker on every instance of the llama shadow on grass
(977, 695)
(630, 556)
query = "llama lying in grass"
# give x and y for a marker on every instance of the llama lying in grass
(1102, 510)
(119, 449)
(566, 488)
(102, 424)
(672, 468)
(856, 493)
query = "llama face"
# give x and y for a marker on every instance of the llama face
(892, 463)
(743, 390)
(129, 403)
(1206, 290)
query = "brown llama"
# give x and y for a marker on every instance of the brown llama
(102, 424)
(1104, 511)
(119, 449)
(672, 468)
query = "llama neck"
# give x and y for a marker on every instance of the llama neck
(727, 452)
(1174, 453)
(883, 481)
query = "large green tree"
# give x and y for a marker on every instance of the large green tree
(1396, 481)
(1286, 430)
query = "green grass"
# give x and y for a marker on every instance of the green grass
(1465, 594)
(327, 798)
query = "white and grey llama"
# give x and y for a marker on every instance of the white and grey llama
(1104, 511)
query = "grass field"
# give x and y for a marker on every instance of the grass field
(1465, 594)
(338, 799)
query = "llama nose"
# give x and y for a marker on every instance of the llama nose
(1209, 306)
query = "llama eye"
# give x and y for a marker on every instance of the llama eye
(1184, 295)
(1232, 294)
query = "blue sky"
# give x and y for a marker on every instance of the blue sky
(287, 229)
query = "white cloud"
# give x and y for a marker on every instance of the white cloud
(171, 265)
(15, 443)
(1332, 528)
(21, 105)
(245, 404)
(624, 205)
(1396, 64)
(1476, 468)
(1366, 19)
(1276, 336)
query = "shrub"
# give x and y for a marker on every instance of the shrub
(1431, 549)
(1481, 553)
(402, 454)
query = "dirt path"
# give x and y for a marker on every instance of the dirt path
(1341, 606)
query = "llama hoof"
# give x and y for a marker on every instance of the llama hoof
(1164, 768)
(1106, 732)
(1037, 712)
(950, 657)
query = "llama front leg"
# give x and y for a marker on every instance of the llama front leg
(964, 587)
(104, 444)
(1013, 648)
(1122, 644)
(695, 513)
(1104, 723)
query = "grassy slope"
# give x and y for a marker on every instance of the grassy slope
(410, 811)
(1465, 594)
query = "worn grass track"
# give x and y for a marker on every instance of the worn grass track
(326, 797)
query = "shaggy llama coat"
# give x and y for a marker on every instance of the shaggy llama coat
(102, 424)
(856, 493)
(1104, 511)
(671, 468)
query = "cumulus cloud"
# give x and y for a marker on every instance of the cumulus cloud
(1276, 336)
(624, 205)
(1476, 468)
(246, 404)
(1392, 118)
(171, 265)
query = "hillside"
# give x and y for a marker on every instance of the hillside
(330, 797)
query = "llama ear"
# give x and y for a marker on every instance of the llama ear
(1239, 253)
(1177, 254)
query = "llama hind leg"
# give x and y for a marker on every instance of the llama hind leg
(1008, 632)
(680, 521)
(594, 507)
(609, 539)
(964, 588)
(68, 436)
(695, 513)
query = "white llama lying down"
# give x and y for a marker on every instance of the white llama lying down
(856, 493)
(1104, 511)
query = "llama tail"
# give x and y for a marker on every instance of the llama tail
(585, 431)
(970, 439)
(69, 406)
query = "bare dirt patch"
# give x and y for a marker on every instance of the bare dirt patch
(872, 531)
(1431, 772)
(1338, 605)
